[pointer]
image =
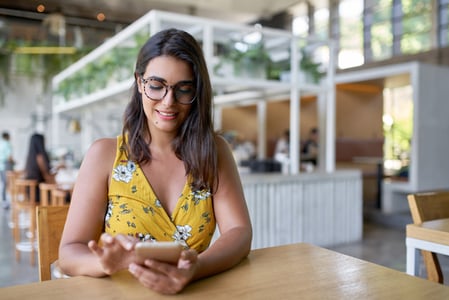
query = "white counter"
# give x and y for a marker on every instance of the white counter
(323, 209)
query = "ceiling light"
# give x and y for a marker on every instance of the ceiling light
(101, 17)
(40, 8)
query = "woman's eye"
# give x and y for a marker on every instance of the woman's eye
(185, 89)
(155, 86)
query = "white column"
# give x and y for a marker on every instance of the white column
(262, 132)
(329, 129)
(294, 109)
(218, 117)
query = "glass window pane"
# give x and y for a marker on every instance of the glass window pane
(381, 40)
(414, 43)
(321, 17)
(382, 11)
(351, 34)
(413, 7)
(421, 23)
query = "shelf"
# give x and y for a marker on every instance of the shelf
(88, 80)
(247, 64)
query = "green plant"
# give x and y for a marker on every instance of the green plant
(310, 67)
(251, 62)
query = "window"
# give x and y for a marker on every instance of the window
(443, 22)
(416, 35)
(378, 22)
(321, 18)
(351, 34)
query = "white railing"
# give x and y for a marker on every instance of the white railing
(318, 208)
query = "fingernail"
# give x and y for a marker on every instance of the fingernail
(132, 268)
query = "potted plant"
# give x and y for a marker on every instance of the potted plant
(310, 68)
(250, 61)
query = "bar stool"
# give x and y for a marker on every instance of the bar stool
(24, 217)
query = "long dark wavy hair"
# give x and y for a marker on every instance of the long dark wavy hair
(195, 141)
(36, 147)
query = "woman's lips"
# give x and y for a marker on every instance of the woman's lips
(167, 115)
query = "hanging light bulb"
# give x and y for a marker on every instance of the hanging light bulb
(74, 126)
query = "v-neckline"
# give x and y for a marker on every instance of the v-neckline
(177, 207)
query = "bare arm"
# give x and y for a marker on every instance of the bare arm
(232, 218)
(44, 168)
(85, 220)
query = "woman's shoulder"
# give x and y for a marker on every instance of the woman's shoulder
(103, 147)
(221, 142)
(223, 147)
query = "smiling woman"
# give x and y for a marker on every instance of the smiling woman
(158, 180)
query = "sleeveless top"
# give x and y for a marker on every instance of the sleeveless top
(135, 210)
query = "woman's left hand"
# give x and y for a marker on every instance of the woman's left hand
(165, 278)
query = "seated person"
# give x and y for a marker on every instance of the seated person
(309, 151)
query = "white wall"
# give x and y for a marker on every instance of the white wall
(431, 128)
(17, 114)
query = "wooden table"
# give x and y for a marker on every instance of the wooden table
(297, 271)
(432, 236)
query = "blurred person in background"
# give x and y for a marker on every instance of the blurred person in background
(6, 164)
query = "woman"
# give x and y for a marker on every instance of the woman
(167, 177)
(38, 164)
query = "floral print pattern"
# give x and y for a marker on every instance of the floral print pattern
(124, 172)
(135, 210)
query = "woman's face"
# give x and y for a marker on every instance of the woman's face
(166, 115)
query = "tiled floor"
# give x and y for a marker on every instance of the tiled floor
(382, 244)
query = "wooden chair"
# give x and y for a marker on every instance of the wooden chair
(24, 216)
(11, 177)
(58, 197)
(50, 224)
(427, 207)
(45, 192)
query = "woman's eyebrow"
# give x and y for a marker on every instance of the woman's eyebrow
(157, 78)
(160, 79)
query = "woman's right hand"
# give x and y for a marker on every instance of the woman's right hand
(114, 253)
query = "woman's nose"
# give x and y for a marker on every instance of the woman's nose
(169, 98)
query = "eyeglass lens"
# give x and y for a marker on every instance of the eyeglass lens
(156, 90)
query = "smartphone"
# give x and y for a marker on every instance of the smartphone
(168, 252)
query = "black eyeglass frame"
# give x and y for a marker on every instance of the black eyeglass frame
(167, 87)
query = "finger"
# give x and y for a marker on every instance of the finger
(125, 242)
(189, 254)
(144, 275)
(107, 238)
(152, 280)
(93, 246)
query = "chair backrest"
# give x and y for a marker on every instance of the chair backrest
(58, 197)
(427, 207)
(25, 190)
(11, 177)
(45, 191)
(50, 224)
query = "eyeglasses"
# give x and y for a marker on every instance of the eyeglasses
(156, 90)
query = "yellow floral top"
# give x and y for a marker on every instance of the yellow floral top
(134, 209)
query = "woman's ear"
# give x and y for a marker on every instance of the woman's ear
(139, 82)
